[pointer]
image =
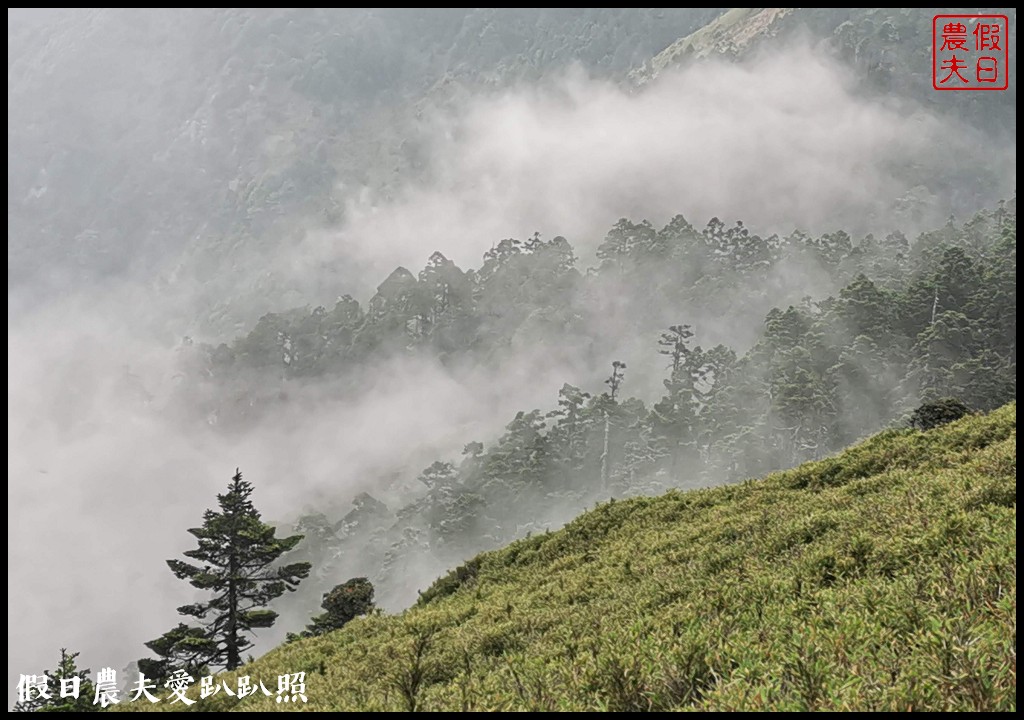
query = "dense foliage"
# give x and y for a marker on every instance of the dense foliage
(341, 605)
(932, 414)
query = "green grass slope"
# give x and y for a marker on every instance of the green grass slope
(881, 579)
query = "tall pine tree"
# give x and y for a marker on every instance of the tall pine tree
(237, 562)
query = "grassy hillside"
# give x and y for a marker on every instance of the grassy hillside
(883, 578)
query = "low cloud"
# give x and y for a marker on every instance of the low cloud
(782, 143)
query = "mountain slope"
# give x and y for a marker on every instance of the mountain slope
(887, 49)
(883, 578)
(159, 145)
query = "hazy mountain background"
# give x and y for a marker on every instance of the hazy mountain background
(157, 144)
(175, 175)
(183, 148)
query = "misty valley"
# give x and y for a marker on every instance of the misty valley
(475, 359)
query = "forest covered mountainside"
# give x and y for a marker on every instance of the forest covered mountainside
(909, 323)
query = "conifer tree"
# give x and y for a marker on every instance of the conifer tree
(344, 603)
(68, 688)
(237, 562)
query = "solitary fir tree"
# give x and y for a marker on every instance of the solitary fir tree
(236, 557)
